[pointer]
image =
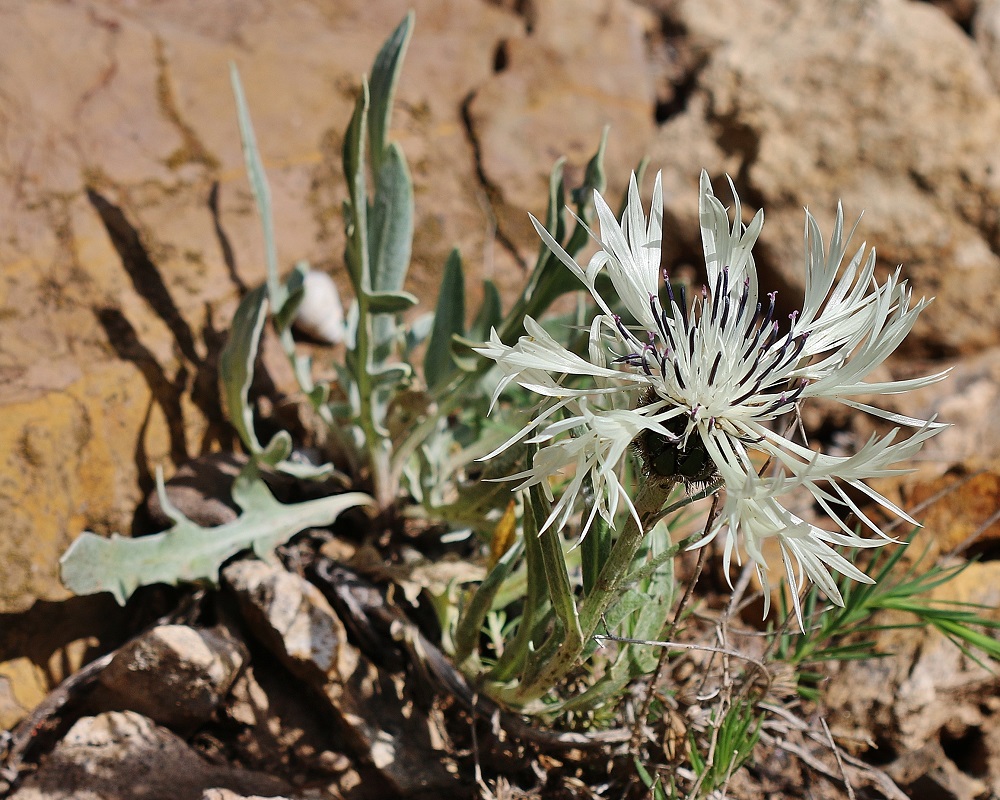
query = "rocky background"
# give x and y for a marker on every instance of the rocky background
(129, 231)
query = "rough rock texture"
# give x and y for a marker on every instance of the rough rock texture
(281, 729)
(968, 400)
(886, 105)
(123, 755)
(226, 794)
(986, 30)
(584, 66)
(962, 512)
(294, 619)
(174, 674)
(130, 230)
(43, 646)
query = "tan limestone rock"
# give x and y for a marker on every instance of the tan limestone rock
(121, 263)
(885, 105)
(575, 69)
(374, 707)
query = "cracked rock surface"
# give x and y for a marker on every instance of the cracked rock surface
(130, 233)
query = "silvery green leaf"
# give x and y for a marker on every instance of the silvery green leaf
(449, 320)
(555, 209)
(301, 364)
(189, 553)
(236, 363)
(462, 354)
(594, 551)
(419, 330)
(305, 471)
(538, 294)
(659, 589)
(259, 187)
(390, 225)
(320, 394)
(594, 177)
(471, 621)
(351, 322)
(277, 450)
(551, 279)
(356, 206)
(390, 374)
(629, 603)
(294, 292)
(341, 410)
(390, 302)
(385, 74)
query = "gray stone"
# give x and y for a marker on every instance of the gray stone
(884, 104)
(123, 755)
(175, 675)
(374, 708)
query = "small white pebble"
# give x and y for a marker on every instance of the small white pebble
(321, 314)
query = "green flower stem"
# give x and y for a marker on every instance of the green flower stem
(366, 418)
(649, 503)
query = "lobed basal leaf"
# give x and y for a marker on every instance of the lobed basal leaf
(189, 553)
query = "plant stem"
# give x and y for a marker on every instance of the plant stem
(643, 715)
(649, 502)
(652, 496)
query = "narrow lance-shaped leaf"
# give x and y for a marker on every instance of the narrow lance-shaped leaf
(259, 187)
(555, 215)
(557, 279)
(236, 367)
(490, 316)
(390, 302)
(471, 623)
(556, 573)
(390, 237)
(236, 363)
(594, 551)
(294, 290)
(356, 206)
(188, 552)
(385, 74)
(594, 177)
(520, 649)
(550, 279)
(390, 225)
(654, 614)
(449, 319)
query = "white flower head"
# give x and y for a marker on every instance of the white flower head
(698, 385)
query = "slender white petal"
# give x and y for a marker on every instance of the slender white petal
(716, 376)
